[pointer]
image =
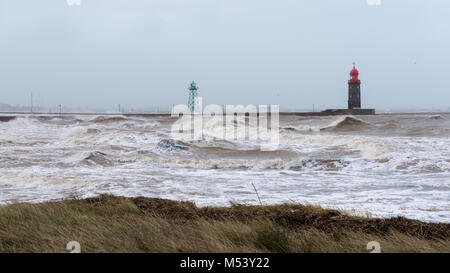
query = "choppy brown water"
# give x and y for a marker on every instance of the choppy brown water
(384, 164)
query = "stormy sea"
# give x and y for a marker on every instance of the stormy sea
(380, 166)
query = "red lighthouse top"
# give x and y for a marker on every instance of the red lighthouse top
(354, 73)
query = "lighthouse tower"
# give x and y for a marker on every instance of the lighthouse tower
(354, 89)
(193, 103)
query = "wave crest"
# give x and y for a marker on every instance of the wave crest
(346, 123)
(92, 158)
(103, 119)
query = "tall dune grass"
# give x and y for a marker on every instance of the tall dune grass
(119, 224)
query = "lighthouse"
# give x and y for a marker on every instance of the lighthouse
(354, 89)
(193, 103)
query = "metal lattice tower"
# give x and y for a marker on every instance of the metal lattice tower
(193, 104)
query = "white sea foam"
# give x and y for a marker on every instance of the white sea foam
(397, 165)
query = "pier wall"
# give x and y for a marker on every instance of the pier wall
(330, 112)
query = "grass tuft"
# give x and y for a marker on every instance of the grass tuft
(118, 224)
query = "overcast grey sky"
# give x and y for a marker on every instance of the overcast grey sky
(144, 53)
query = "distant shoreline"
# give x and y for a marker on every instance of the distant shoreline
(16, 114)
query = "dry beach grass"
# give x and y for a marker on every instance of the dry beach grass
(118, 224)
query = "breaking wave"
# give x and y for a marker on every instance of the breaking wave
(57, 120)
(436, 117)
(112, 119)
(382, 163)
(92, 158)
(345, 124)
(6, 118)
(170, 146)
